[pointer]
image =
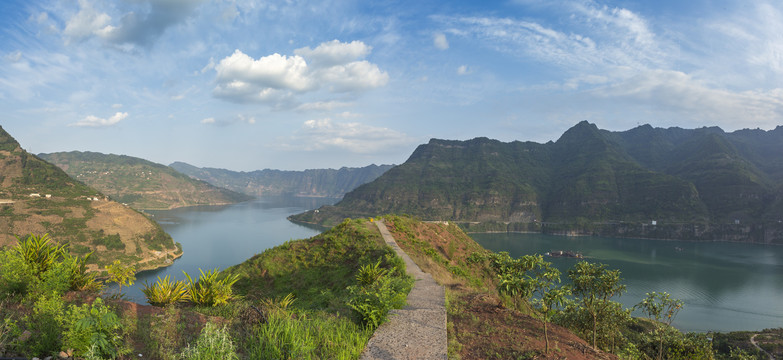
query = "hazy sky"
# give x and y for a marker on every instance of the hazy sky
(292, 84)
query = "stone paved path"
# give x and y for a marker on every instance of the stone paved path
(417, 331)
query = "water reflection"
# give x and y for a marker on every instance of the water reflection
(725, 286)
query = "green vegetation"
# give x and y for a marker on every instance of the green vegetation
(318, 298)
(700, 184)
(121, 274)
(140, 183)
(165, 291)
(313, 182)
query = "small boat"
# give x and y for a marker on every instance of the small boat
(566, 253)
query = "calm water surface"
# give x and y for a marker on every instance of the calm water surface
(725, 286)
(222, 236)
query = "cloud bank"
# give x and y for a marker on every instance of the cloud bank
(276, 79)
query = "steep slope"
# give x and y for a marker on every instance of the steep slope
(645, 182)
(475, 180)
(140, 183)
(314, 182)
(37, 197)
(596, 180)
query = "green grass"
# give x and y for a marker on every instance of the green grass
(319, 273)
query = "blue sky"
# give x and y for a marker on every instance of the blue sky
(291, 84)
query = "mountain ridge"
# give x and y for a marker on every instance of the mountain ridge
(312, 182)
(38, 198)
(689, 184)
(140, 183)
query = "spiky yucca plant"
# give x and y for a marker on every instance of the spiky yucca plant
(165, 291)
(210, 289)
(39, 252)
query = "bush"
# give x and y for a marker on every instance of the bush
(213, 343)
(374, 301)
(165, 291)
(209, 289)
(39, 252)
(94, 329)
(16, 276)
(46, 323)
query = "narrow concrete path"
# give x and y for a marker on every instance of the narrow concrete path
(417, 331)
(753, 341)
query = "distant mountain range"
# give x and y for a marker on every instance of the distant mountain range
(140, 183)
(315, 182)
(646, 182)
(37, 197)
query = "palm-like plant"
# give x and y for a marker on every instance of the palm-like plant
(39, 252)
(165, 291)
(210, 289)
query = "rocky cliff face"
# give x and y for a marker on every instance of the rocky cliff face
(587, 180)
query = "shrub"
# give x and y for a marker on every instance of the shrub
(165, 291)
(369, 273)
(94, 329)
(213, 343)
(78, 277)
(16, 275)
(46, 322)
(39, 252)
(120, 274)
(209, 289)
(373, 302)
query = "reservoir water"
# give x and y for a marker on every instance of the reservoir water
(725, 286)
(222, 236)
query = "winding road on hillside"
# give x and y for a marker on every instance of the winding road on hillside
(417, 331)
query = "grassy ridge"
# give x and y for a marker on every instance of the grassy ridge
(140, 183)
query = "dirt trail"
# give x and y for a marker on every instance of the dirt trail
(417, 331)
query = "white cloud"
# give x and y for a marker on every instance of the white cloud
(673, 92)
(116, 106)
(140, 26)
(440, 41)
(87, 22)
(322, 134)
(322, 105)
(462, 70)
(276, 79)
(273, 71)
(334, 53)
(94, 121)
(240, 118)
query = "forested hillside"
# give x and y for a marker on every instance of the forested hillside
(647, 182)
(140, 183)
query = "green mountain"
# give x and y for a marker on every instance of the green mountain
(649, 182)
(314, 182)
(38, 197)
(140, 183)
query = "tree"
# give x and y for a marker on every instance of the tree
(121, 274)
(662, 309)
(544, 283)
(594, 285)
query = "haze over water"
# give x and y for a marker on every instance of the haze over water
(725, 286)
